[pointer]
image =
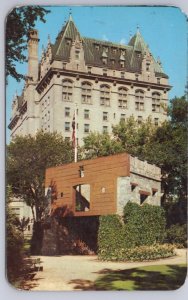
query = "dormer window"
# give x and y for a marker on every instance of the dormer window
(68, 41)
(147, 66)
(114, 50)
(96, 46)
(104, 57)
(104, 60)
(77, 54)
(105, 49)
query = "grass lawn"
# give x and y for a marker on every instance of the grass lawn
(155, 277)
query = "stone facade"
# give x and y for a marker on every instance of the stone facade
(142, 186)
(21, 210)
(104, 82)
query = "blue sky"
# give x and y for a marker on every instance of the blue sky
(164, 30)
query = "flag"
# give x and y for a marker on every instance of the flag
(73, 131)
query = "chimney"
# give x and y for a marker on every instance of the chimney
(33, 55)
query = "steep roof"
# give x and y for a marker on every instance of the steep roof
(138, 43)
(62, 46)
(95, 50)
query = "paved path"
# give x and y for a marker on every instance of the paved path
(66, 273)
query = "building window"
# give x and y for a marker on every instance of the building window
(89, 70)
(67, 111)
(122, 118)
(136, 77)
(105, 129)
(122, 97)
(15, 211)
(122, 75)
(105, 116)
(147, 66)
(96, 46)
(86, 128)
(105, 95)
(156, 97)
(86, 114)
(122, 64)
(139, 100)
(82, 197)
(67, 126)
(77, 53)
(143, 197)
(67, 90)
(140, 119)
(158, 80)
(156, 121)
(105, 72)
(86, 92)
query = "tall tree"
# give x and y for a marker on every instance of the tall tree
(19, 21)
(96, 144)
(27, 159)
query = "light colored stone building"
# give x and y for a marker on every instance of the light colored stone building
(22, 211)
(106, 82)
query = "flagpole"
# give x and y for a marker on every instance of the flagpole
(75, 146)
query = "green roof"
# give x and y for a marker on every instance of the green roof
(94, 50)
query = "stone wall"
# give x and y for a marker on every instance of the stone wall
(144, 179)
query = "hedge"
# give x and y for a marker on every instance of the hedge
(144, 225)
(141, 253)
(110, 236)
(140, 226)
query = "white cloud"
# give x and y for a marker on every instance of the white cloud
(104, 37)
(123, 41)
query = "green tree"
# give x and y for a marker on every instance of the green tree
(96, 144)
(134, 137)
(19, 21)
(27, 159)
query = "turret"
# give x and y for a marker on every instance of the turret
(33, 55)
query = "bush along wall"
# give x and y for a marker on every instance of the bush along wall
(144, 225)
(110, 237)
(136, 236)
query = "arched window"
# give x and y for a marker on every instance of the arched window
(122, 97)
(105, 95)
(139, 100)
(86, 92)
(156, 98)
(67, 90)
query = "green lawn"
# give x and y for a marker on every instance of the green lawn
(156, 277)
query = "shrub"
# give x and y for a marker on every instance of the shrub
(14, 249)
(82, 249)
(142, 253)
(177, 234)
(144, 225)
(110, 236)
